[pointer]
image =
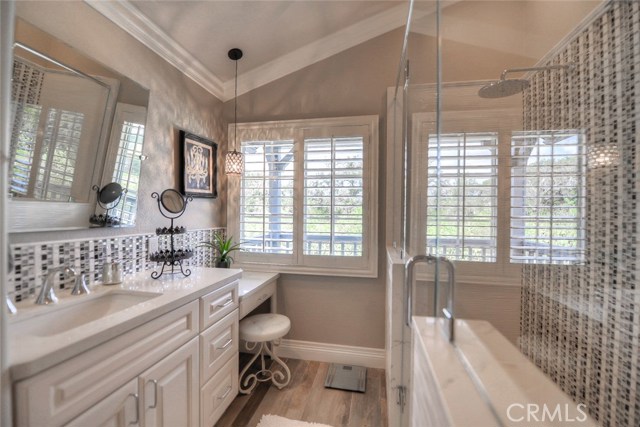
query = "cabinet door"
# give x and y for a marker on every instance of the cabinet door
(169, 389)
(119, 409)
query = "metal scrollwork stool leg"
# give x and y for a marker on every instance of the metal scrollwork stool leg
(259, 331)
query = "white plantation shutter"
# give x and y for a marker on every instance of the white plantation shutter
(307, 201)
(22, 156)
(333, 196)
(462, 198)
(547, 197)
(129, 125)
(266, 197)
(60, 145)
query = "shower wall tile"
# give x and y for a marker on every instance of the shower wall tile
(581, 323)
(32, 261)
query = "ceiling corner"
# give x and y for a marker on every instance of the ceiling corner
(130, 19)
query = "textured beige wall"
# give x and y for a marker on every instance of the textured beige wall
(175, 102)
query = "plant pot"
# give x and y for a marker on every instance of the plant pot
(223, 264)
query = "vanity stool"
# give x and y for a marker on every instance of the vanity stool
(262, 329)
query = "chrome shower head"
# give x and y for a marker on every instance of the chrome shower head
(503, 88)
(507, 87)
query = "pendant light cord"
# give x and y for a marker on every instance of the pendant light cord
(235, 111)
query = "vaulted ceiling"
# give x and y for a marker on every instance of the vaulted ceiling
(279, 37)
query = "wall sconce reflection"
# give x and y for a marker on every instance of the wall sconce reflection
(603, 156)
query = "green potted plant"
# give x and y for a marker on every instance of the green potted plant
(222, 248)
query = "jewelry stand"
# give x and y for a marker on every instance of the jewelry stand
(171, 205)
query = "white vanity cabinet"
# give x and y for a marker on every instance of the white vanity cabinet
(179, 369)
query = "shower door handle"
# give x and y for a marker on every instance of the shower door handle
(408, 282)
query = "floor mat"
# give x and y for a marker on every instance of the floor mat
(276, 421)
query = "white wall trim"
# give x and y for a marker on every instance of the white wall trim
(129, 18)
(332, 353)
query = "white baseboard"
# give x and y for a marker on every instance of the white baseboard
(332, 353)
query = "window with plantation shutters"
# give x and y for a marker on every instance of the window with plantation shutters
(307, 199)
(462, 196)
(333, 196)
(547, 197)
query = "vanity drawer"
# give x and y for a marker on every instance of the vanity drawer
(217, 344)
(218, 393)
(217, 304)
(249, 303)
(62, 392)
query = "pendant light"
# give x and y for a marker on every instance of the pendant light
(234, 160)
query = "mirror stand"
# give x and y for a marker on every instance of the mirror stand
(109, 198)
(171, 205)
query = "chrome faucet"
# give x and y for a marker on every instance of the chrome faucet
(47, 294)
(80, 285)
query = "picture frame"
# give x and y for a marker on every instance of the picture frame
(198, 166)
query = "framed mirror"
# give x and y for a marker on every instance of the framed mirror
(76, 124)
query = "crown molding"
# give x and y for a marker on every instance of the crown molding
(319, 50)
(130, 19)
(135, 23)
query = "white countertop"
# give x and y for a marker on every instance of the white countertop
(506, 375)
(252, 281)
(29, 354)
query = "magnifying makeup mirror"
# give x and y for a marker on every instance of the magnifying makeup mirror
(110, 193)
(172, 201)
(109, 197)
(171, 205)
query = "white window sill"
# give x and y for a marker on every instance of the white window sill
(313, 271)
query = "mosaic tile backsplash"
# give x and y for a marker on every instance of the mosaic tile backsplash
(32, 261)
(581, 323)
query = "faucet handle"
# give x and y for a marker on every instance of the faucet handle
(47, 295)
(80, 286)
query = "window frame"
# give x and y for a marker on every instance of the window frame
(364, 266)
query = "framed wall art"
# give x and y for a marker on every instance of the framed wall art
(198, 164)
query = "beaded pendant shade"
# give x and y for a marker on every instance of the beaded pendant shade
(234, 160)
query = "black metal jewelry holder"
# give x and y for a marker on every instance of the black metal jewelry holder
(106, 220)
(171, 257)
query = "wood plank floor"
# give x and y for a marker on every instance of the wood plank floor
(306, 399)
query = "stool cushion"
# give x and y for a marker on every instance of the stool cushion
(264, 327)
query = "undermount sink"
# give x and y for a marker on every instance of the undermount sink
(67, 315)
